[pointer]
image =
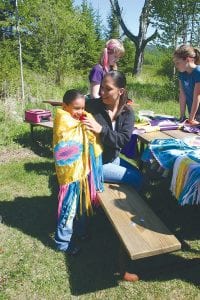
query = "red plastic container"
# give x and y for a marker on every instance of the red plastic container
(37, 115)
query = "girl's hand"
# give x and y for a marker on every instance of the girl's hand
(92, 124)
(193, 122)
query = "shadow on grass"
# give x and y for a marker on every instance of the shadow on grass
(40, 143)
(168, 267)
(96, 267)
(184, 221)
(35, 216)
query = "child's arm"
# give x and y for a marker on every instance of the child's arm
(182, 101)
(195, 103)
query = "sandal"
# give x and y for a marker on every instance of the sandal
(73, 251)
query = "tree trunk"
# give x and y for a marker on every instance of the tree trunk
(140, 40)
(138, 61)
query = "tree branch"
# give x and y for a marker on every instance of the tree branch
(152, 37)
(117, 11)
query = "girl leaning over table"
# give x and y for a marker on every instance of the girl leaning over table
(187, 61)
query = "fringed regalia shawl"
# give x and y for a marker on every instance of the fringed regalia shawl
(78, 161)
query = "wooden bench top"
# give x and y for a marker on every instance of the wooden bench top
(46, 124)
(141, 231)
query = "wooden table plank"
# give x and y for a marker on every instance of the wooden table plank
(53, 103)
(179, 134)
(141, 231)
(149, 136)
(46, 124)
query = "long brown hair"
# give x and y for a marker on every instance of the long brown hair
(119, 80)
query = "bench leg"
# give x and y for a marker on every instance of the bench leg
(141, 150)
(31, 127)
(123, 260)
(125, 266)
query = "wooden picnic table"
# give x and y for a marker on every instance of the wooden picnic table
(141, 231)
(145, 138)
(46, 124)
(53, 103)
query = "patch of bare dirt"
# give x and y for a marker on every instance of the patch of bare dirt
(15, 154)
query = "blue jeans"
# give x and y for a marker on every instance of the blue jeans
(120, 171)
(64, 236)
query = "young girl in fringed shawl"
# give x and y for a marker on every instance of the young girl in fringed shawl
(77, 155)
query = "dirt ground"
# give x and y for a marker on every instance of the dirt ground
(15, 154)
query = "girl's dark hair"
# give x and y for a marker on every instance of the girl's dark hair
(71, 95)
(120, 82)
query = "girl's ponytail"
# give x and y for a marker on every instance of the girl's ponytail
(197, 56)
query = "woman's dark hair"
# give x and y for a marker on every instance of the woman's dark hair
(120, 82)
(71, 95)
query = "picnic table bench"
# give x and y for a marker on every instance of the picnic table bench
(46, 124)
(142, 233)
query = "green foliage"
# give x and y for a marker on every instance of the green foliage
(126, 62)
(161, 58)
(51, 28)
(113, 26)
(87, 41)
(178, 21)
(167, 65)
(56, 38)
(98, 26)
(7, 19)
(9, 67)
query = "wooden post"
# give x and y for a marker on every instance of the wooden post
(20, 53)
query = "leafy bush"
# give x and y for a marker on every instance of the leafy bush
(10, 68)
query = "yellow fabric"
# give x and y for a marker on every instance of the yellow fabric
(67, 128)
(180, 179)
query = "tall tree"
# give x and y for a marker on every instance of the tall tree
(178, 20)
(98, 26)
(7, 19)
(49, 28)
(140, 40)
(89, 44)
(113, 26)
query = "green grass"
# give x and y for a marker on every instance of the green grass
(30, 267)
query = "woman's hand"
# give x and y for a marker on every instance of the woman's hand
(191, 122)
(92, 125)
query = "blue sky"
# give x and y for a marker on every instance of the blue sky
(131, 11)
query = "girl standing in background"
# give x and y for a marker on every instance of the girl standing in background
(112, 52)
(187, 61)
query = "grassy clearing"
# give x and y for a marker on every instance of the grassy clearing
(30, 268)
